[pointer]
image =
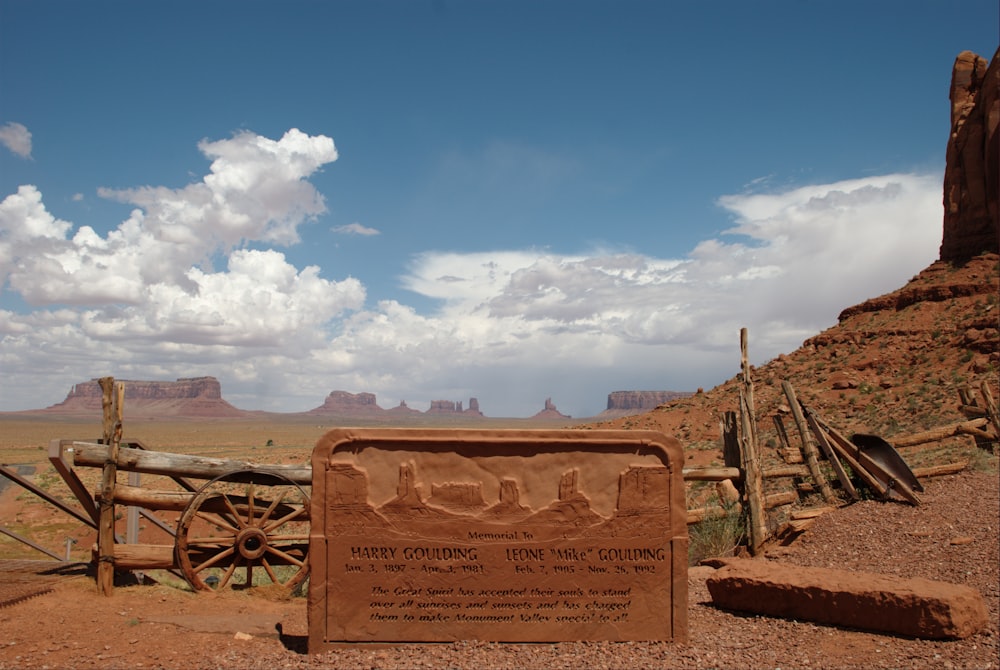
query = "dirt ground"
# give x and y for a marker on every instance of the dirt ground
(952, 536)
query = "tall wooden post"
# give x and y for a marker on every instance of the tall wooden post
(753, 481)
(112, 399)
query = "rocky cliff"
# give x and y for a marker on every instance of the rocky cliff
(972, 168)
(186, 397)
(550, 412)
(343, 403)
(626, 403)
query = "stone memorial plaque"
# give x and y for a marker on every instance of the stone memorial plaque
(500, 535)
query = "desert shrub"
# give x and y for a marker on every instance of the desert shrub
(718, 534)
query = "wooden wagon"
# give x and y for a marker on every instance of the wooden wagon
(239, 523)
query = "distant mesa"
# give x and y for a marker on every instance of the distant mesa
(201, 398)
(189, 397)
(550, 412)
(627, 403)
(450, 407)
(342, 403)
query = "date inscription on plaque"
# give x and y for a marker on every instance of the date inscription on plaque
(502, 535)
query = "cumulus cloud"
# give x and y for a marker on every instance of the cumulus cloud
(356, 229)
(145, 292)
(786, 268)
(508, 325)
(17, 138)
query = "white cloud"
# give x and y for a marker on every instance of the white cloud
(16, 138)
(511, 327)
(356, 229)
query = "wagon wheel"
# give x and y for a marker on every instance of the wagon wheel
(244, 520)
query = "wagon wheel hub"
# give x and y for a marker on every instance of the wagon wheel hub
(251, 543)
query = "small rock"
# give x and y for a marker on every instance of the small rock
(960, 540)
(242, 636)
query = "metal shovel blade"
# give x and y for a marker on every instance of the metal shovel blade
(888, 458)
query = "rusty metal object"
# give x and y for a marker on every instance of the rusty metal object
(888, 458)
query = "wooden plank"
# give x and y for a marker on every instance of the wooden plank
(710, 474)
(20, 538)
(810, 513)
(781, 498)
(939, 433)
(46, 496)
(808, 448)
(786, 471)
(939, 470)
(831, 455)
(184, 465)
(144, 556)
(64, 466)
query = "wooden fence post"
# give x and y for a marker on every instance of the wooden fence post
(731, 444)
(112, 399)
(752, 480)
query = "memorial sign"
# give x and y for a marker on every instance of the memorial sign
(502, 535)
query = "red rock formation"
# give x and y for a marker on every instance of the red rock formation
(626, 403)
(186, 397)
(404, 409)
(342, 402)
(972, 169)
(474, 407)
(452, 407)
(550, 412)
(443, 407)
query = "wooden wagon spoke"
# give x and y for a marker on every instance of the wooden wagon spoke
(250, 505)
(288, 557)
(285, 519)
(218, 522)
(270, 571)
(274, 504)
(232, 508)
(228, 574)
(215, 559)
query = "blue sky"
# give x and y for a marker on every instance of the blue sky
(443, 200)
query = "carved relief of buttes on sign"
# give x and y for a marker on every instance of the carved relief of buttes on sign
(442, 535)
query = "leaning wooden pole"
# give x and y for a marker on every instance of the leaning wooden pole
(112, 399)
(752, 479)
(990, 405)
(808, 448)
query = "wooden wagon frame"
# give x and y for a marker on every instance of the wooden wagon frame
(236, 518)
